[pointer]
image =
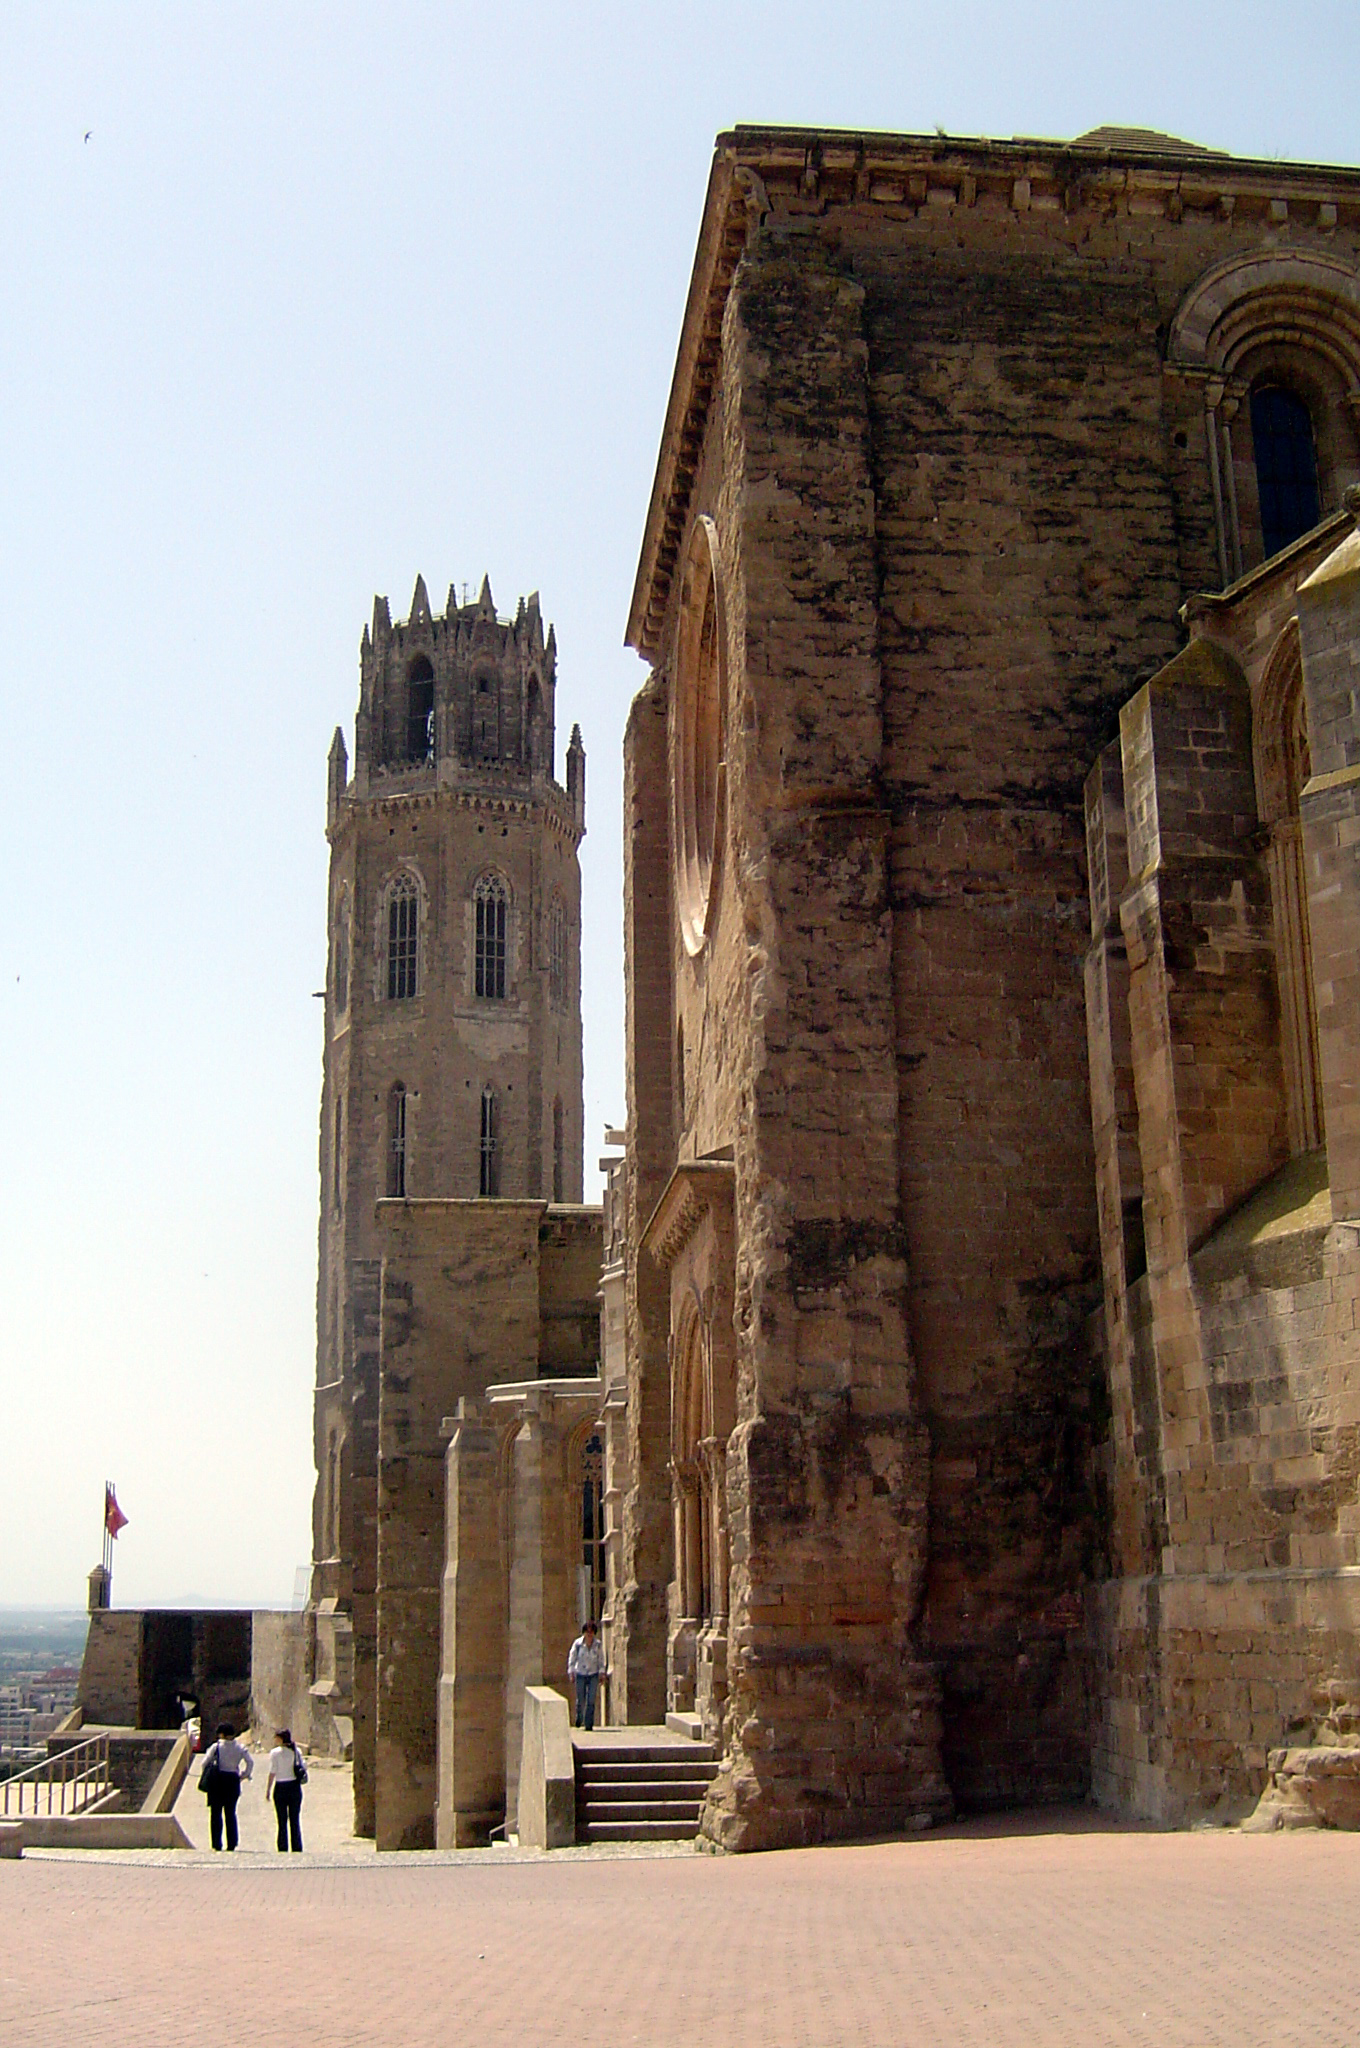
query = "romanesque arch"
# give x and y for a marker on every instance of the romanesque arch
(1281, 321)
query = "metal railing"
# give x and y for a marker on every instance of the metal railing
(69, 1782)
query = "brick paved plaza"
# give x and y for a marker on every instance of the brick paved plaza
(1031, 1931)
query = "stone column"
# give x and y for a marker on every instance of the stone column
(471, 1771)
(524, 1645)
(1329, 629)
(832, 1709)
(1212, 1119)
(638, 1650)
(1114, 1123)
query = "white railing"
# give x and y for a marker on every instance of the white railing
(69, 1782)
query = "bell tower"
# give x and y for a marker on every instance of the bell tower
(453, 1062)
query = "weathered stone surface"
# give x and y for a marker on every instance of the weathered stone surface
(547, 1777)
(1309, 1788)
(958, 428)
(467, 1299)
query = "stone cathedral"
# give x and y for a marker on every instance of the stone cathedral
(958, 1403)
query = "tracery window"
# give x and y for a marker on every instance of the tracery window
(491, 908)
(403, 937)
(489, 1184)
(396, 1140)
(700, 714)
(1286, 466)
(557, 956)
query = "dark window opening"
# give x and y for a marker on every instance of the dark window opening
(1286, 466)
(533, 743)
(557, 957)
(486, 719)
(342, 960)
(559, 1151)
(489, 1185)
(403, 928)
(396, 1141)
(338, 1155)
(489, 948)
(420, 712)
(592, 1530)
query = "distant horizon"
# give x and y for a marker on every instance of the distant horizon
(192, 1603)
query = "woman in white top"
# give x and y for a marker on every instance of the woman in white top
(287, 1776)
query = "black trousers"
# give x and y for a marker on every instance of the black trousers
(222, 1806)
(288, 1807)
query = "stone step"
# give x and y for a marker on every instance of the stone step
(692, 1785)
(652, 1785)
(657, 1767)
(684, 1753)
(637, 1831)
(600, 1811)
(691, 1790)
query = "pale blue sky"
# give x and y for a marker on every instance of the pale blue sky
(332, 294)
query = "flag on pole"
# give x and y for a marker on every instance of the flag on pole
(114, 1518)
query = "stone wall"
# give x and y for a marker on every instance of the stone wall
(1229, 1628)
(279, 1674)
(111, 1669)
(139, 1664)
(951, 422)
(1230, 1650)
(468, 1302)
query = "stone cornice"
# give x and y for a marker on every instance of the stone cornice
(548, 799)
(791, 175)
(695, 1187)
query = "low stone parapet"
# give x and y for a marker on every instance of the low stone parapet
(104, 1831)
(547, 1772)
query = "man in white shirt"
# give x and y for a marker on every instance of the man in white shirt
(585, 1662)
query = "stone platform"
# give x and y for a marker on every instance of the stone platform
(1041, 1931)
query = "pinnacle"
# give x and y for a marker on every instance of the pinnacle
(420, 604)
(485, 604)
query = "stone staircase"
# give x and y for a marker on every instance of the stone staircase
(641, 1791)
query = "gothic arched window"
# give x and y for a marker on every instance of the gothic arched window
(403, 937)
(1286, 466)
(489, 1176)
(420, 711)
(491, 906)
(559, 1151)
(557, 956)
(396, 1139)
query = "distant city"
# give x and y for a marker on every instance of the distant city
(40, 1653)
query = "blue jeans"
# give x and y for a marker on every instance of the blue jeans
(587, 1686)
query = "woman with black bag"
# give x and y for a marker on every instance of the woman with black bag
(220, 1779)
(287, 1776)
